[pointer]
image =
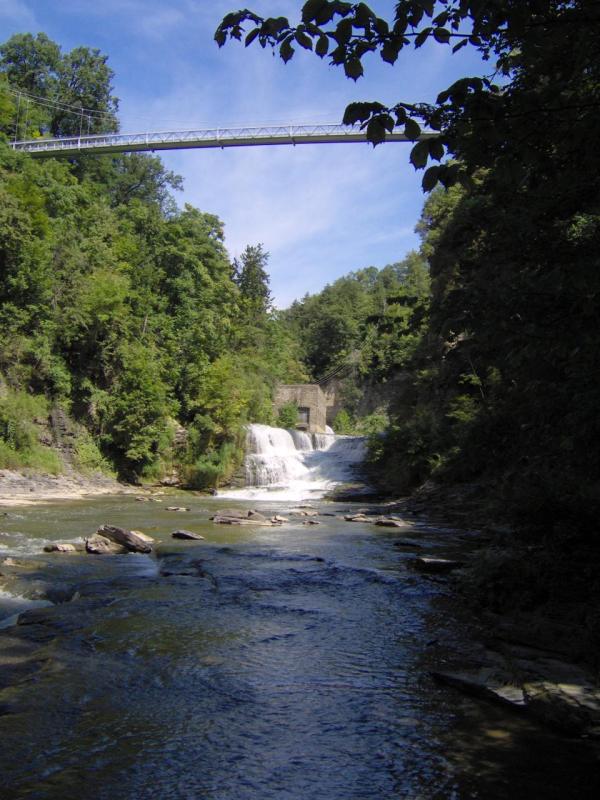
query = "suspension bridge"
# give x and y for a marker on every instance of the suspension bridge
(194, 139)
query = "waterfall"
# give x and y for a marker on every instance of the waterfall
(294, 465)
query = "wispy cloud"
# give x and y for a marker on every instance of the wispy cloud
(320, 210)
(17, 15)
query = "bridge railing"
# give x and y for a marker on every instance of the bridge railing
(210, 137)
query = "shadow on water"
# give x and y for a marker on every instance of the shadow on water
(282, 663)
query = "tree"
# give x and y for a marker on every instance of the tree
(544, 58)
(252, 278)
(58, 93)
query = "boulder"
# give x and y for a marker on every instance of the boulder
(357, 518)
(279, 518)
(64, 547)
(177, 508)
(311, 522)
(100, 545)
(182, 534)
(132, 540)
(390, 522)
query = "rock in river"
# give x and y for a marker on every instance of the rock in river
(134, 541)
(182, 534)
(64, 547)
(100, 545)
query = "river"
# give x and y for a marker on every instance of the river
(286, 663)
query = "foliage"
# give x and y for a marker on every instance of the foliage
(370, 319)
(117, 304)
(51, 86)
(343, 422)
(20, 418)
(473, 117)
(287, 416)
(250, 274)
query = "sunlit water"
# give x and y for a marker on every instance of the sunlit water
(284, 663)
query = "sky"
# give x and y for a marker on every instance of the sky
(320, 211)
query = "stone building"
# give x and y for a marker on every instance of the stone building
(311, 402)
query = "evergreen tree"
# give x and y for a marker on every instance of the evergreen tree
(250, 274)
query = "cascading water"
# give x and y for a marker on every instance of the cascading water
(294, 465)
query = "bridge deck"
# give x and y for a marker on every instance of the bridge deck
(215, 138)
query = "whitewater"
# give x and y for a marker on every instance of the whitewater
(291, 465)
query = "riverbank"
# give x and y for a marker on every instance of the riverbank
(25, 488)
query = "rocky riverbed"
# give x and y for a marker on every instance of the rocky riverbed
(339, 652)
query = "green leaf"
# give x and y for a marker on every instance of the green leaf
(322, 46)
(421, 37)
(364, 15)
(343, 32)
(381, 27)
(419, 155)
(251, 36)
(353, 68)
(430, 178)
(441, 35)
(436, 149)
(311, 9)
(460, 45)
(389, 51)
(375, 131)
(412, 130)
(286, 51)
(304, 40)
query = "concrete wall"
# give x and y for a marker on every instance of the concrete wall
(306, 396)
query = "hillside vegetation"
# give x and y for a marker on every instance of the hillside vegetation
(117, 306)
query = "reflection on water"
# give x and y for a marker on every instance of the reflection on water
(271, 663)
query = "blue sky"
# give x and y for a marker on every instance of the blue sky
(320, 210)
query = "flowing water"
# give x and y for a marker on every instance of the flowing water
(294, 465)
(284, 663)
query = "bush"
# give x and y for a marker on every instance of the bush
(288, 416)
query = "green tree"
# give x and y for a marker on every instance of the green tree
(251, 276)
(58, 93)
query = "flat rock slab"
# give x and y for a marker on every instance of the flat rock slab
(389, 522)
(483, 683)
(134, 541)
(233, 516)
(357, 518)
(573, 708)
(177, 508)
(435, 566)
(182, 534)
(244, 521)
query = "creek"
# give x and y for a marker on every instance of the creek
(263, 663)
